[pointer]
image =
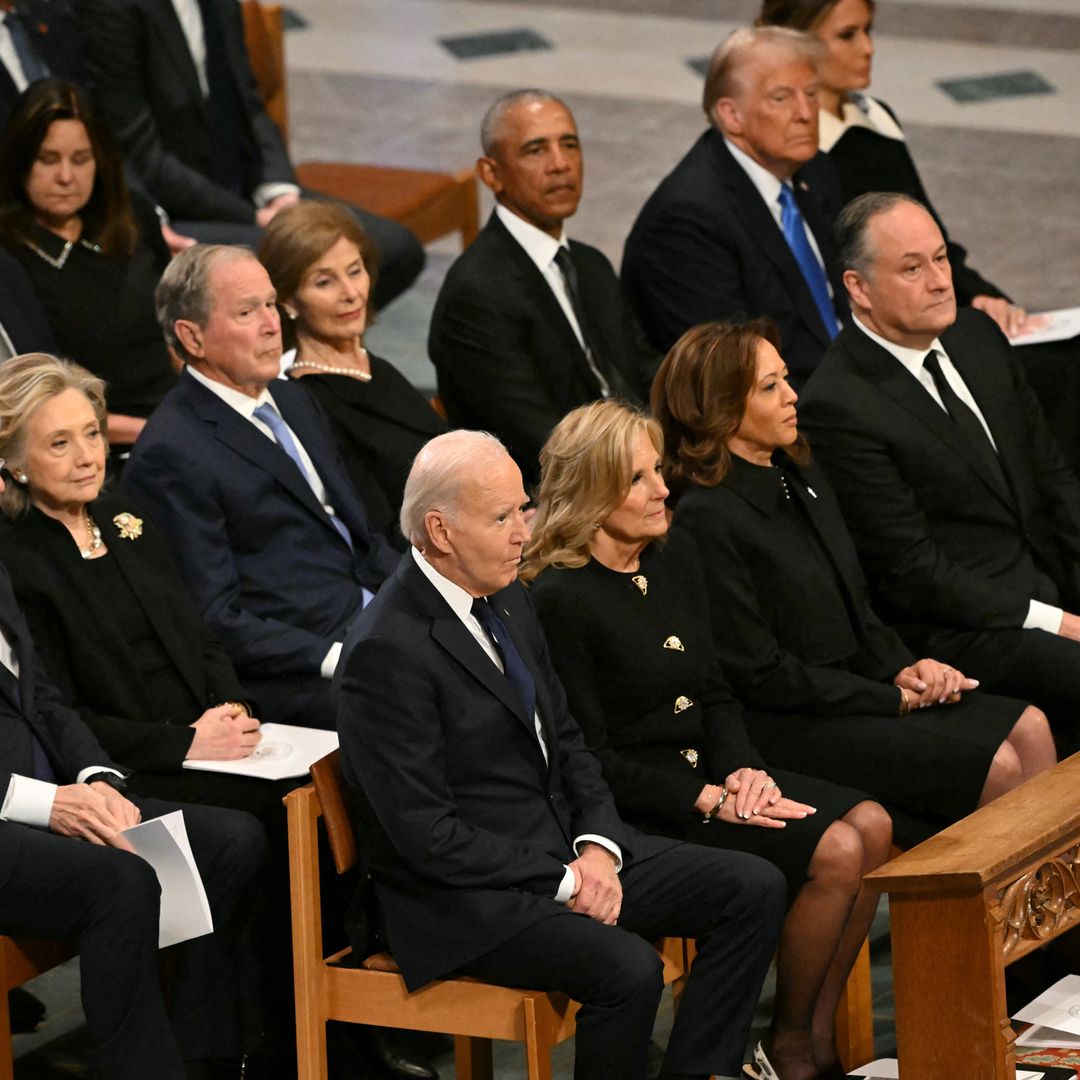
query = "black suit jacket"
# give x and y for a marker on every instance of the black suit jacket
(145, 80)
(943, 542)
(705, 248)
(466, 827)
(508, 360)
(87, 654)
(67, 741)
(21, 313)
(50, 25)
(276, 583)
(793, 626)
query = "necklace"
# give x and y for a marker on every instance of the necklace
(330, 369)
(57, 262)
(93, 537)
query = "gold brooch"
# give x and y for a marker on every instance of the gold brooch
(129, 525)
(642, 582)
(674, 643)
(691, 755)
(682, 703)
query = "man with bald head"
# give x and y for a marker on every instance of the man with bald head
(740, 227)
(493, 841)
(966, 517)
(528, 324)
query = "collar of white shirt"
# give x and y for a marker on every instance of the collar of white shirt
(538, 245)
(767, 185)
(459, 600)
(235, 399)
(912, 359)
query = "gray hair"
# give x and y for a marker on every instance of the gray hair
(730, 58)
(438, 474)
(852, 229)
(184, 289)
(491, 127)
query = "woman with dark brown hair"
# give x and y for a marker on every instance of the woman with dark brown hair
(833, 691)
(323, 267)
(631, 642)
(93, 253)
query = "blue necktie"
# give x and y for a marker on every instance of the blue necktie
(272, 419)
(513, 666)
(791, 221)
(32, 65)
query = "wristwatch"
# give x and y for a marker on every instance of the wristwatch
(114, 780)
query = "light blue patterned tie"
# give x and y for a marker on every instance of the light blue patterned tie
(791, 221)
(273, 420)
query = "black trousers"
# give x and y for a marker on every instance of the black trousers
(108, 900)
(401, 255)
(732, 903)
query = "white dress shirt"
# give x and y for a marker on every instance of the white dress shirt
(461, 603)
(187, 11)
(1040, 616)
(769, 189)
(246, 406)
(10, 58)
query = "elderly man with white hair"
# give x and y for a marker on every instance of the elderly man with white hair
(494, 845)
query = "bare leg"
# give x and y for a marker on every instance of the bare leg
(1033, 742)
(875, 828)
(813, 932)
(1005, 773)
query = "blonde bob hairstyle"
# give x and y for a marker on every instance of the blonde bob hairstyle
(26, 383)
(586, 467)
(699, 398)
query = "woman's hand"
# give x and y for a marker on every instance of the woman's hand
(930, 682)
(751, 790)
(224, 733)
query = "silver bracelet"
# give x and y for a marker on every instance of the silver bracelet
(715, 811)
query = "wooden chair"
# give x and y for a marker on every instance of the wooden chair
(431, 204)
(473, 1012)
(22, 959)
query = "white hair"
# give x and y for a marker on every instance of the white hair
(438, 473)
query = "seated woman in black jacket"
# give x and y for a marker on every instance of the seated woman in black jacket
(834, 692)
(93, 252)
(631, 640)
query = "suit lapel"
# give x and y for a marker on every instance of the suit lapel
(894, 380)
(166, 24)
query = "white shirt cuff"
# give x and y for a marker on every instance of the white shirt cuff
(566, 887)
(267, 193)
(330, 661)
(28, 801)
(605, 843)
(1042, 616)
(91, 769)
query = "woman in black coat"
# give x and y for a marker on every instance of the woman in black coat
(323, 268)
(835, 693)
(632, 644)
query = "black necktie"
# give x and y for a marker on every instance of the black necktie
(963, 416)
(513, 666)
(40, 769)
(565, 263)
(33, 66)
(224, 107)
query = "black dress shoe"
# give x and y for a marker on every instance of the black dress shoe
(383, 1054)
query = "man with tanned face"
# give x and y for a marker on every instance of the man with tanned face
(964, 513)
(528, 324)
(740, 228)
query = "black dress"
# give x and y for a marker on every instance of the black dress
(634, 652)
(101, 309)
(378, 427)
(802, 648)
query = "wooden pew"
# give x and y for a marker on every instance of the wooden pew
(966, 904)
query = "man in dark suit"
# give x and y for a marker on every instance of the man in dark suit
(740, 228)
(174, 81)
(965, 515)
(37, 38)
(239, 470)
(494, 843)
(529, 325)
(65, 873)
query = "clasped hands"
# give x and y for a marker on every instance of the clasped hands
(95, 812)
(224, 733)
(929, 682)
(753, 799)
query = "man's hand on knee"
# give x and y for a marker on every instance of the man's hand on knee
(597, 889)
(94, 812)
